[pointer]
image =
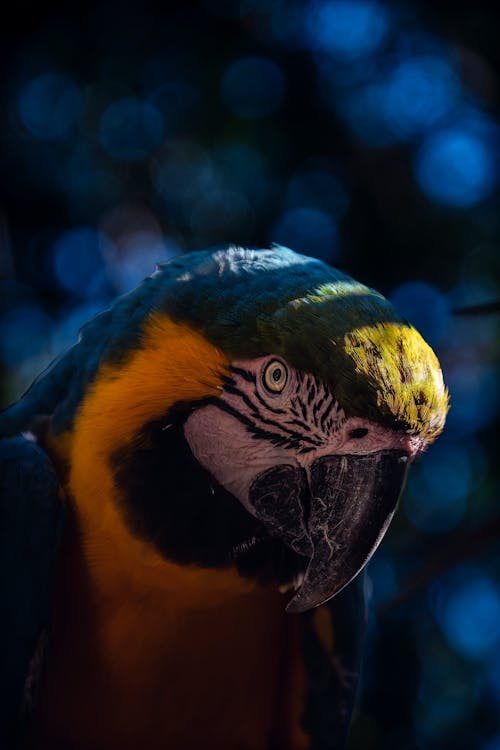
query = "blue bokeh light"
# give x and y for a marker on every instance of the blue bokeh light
(364, 111)
(436, 496)
(242, 168)
(316, 188)
(184, 177)
(309, 231)
(456, 166)
(382, 574)
(412, 98)
(474, 290)
(130, 128)
(437, 716)
(24, 332)
(14, 293)
(442, 703)
(287, 24)
(418, 93)
(169, 64)
(474, 396)
(78, 262)
(336, 78)
(49, 106)
(137, 256)
(493, 674)
(467, 608)
(471, 336)
(425, 307)
(347, 29)
(253, 87)
(177, 102)
(89, 186)
(221, 214)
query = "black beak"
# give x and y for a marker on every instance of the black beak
(336, 515)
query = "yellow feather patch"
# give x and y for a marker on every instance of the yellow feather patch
(405, 374)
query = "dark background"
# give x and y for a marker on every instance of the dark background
(363, 133)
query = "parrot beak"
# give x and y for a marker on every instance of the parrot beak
(338, 515)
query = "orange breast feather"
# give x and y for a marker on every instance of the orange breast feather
(146, 653)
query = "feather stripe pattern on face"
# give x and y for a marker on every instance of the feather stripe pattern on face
(311, 405)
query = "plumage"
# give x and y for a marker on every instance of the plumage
(247, 302)
(241, 422)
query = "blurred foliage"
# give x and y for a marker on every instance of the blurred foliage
(364, 133)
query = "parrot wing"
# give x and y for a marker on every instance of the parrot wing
(31, 522)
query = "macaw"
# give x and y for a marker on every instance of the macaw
(197, 480)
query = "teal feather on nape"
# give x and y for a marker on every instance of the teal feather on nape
(233, 287)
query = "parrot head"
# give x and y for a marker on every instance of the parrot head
(254, 408)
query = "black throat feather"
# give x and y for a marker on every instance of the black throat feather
(169, 500)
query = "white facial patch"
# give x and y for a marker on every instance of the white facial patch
(225, 447)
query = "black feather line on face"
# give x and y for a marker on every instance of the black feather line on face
(318, 405)
(324, 424)
(245, 374)
(283, 436)
(303, 410)
(257, 415)
(272, 409)
(170, 501)
(289, 440)
(300, 424)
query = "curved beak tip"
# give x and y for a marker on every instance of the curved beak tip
(310, 596)
(351, 501)
(363, 492)
(296, 607)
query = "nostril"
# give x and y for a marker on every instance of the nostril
(359, 432)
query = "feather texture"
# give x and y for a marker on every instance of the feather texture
(249, 303)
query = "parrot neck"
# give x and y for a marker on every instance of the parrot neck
(173, 364)
(118, 563)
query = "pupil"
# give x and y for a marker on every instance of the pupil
(277, 374)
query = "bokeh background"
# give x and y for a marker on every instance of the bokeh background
(360, 132)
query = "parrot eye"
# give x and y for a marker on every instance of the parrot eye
(275, 376)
